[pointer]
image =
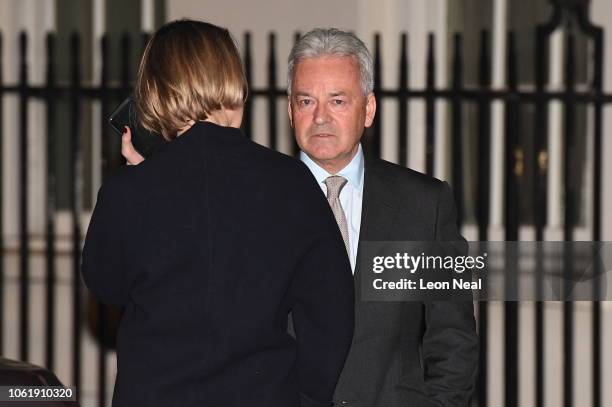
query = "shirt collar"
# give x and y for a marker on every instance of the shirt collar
(353, 172)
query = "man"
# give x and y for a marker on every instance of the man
(403, 353)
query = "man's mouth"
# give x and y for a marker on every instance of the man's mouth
(323, 135)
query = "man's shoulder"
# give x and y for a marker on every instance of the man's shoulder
(402, 178)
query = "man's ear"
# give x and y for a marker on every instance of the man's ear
(370, 109)
(289, 111)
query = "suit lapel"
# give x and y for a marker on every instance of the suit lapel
(379, 206)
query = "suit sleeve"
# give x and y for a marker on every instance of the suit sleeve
(103, 263)
(450, 342)
(323, 309)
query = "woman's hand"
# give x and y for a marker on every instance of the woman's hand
(128, 151)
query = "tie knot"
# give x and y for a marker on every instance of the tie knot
(334, 184)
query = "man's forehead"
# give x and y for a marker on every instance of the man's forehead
(302, 92)
(337, 73)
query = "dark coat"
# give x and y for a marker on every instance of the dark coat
(408, 354)
(209, 245)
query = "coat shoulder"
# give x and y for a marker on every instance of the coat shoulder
(403, 178)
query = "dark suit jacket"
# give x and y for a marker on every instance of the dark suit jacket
(209, 245)
(408, 354)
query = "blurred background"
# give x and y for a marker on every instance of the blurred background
(508, 100)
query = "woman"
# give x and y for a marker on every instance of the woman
(210, 243)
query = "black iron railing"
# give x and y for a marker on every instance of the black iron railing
(108, 94)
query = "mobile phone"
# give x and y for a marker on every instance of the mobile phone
(145, 142)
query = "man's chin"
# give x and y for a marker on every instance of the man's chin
(322, 147)
(322, 154)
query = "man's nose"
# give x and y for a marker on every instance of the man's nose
(321, 114)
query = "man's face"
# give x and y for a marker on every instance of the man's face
(328, 109)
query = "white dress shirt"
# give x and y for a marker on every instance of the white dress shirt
(351, 195)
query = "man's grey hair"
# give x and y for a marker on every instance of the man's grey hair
(332, 42)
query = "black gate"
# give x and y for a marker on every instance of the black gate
(572, 13)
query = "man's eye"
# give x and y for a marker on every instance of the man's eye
(338, 102)
(305, 102)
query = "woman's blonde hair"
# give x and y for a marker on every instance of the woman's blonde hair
(188, 70)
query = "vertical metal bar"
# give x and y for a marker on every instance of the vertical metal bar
(247, 121)
(541, 133)
(75, 204)
(457, 128)
(482, 202)
(512, 155)
(512, 173)
(50, 204)
(1, 203)
(125, 70)
(597, 356)
(570, 219)
(430, 107)
(105, 96)
(272, 116)
(102, 310)
(596, 33)
(126, 49)
(484, 138)
(376, 141)
(145, 40)
(24, 252)
(403, 136)
(540, 195)
(540, 176)
(294, 145)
